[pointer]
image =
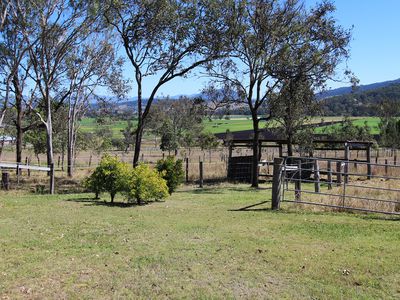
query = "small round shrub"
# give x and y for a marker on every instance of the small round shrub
(111, 176)
(171, 171)
(146, 184)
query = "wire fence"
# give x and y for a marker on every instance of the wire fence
(335, 184)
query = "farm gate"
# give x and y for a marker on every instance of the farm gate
(336, 184)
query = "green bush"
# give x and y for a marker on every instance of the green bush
(146, 184)
(110, 176)
(171, 171)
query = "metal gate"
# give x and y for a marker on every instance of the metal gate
(342, 185)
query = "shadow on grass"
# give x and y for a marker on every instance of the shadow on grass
(382, 217)
(221, 190)
(89, 201)
(252, 207)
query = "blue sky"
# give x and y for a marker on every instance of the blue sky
(375, 46)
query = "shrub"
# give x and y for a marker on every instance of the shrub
(110, 176)
(171, 171)
(146, 184)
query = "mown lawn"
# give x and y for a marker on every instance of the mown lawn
(193, 245)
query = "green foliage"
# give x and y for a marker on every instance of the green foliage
(363, 103)
(110, 176)
(390, 133)
(207, 140)
(146, 184)
(113, 176)
(172, 172)
(348, 131)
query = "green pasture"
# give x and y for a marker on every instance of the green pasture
(235, 123)
(195, 245)
(89, 125)
(372, 122)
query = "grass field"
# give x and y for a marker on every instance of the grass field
(89, 125)
(193, 245)
(372, 122)
(235, 123)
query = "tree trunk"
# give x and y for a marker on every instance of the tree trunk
(254, 167)
(19, 119)
(138, 143)
(290, 144)
(49, 140)
(70, 143)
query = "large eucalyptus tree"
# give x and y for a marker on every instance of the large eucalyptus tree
(166, 39)
(272, 39)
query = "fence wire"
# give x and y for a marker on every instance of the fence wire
(304, 182)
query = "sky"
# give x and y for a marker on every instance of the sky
(374, 49)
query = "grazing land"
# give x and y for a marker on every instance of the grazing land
(196, 244)
(235, 123)
(372, 122)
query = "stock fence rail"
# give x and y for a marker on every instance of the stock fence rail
(341, 187)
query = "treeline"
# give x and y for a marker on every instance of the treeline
(365, 103)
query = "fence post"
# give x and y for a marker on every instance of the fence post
(29, 170)
(317, 186)
(201, 173)
(329, 175)
(339, 173)
(369, 169)
(346, 165)
(386, 167)
(51, 189)
(276, 183)
(5, 180)
(187, 169)
(18, 173)
(297, 183)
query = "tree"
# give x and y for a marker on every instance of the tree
(292, 107)
(389, 125)
(347, 131)
(312, 53)
(58, 26)
(177, 122)
(90, 64)
(268, 33)
(128, 135)
(14, 69)
(166, 39)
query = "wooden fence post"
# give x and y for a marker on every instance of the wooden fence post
(297, 183)
(317, 185)
(339, 173)
(346, 165)
(369, 169)
(201, 173)
(187, 169)
(329, 175)
(276, 183)
(52, 181)
(386, 167)
(18, 173)
(5, 180)
(29, 170)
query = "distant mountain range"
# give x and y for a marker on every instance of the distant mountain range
(360, 101)
(361, 88)
(363, 101)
